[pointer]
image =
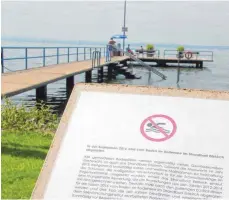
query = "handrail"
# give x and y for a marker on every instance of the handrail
(96, 56)
(155, 53)
(206, 55)
(31, 47)
(46, 52)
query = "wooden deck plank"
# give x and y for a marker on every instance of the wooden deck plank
(11, 87)
(16, 82)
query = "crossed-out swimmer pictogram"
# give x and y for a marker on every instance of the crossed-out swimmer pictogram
(158, 128)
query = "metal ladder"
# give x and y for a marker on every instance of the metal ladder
(96, 56)
(151, 69)
(145, 65)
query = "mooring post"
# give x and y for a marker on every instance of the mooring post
(88, 76)
(41, 93)
(69, 85)
(201, 64)
(198, 64)
(100, 75)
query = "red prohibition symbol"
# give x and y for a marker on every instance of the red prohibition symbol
(158, 128)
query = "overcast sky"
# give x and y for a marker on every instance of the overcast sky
(201, 23)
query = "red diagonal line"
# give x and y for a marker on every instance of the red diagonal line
(159, 128)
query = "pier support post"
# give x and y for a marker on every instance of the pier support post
(124, 62)
(88, 76)
(69, 85)
(110, 71)
(41, 94)
(201, 64)
(100, 75)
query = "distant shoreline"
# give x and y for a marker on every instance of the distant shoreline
(88, 42)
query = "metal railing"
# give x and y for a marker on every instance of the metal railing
(96, 56)
(155, 54)
(196, 55)
(45, 55)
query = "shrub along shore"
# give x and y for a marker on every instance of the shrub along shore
(26, 137)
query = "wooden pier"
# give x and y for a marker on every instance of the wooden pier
(17, 82)
(37, 78)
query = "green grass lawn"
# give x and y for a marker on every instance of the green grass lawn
(23, 155)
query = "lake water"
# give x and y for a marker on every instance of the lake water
(214, 76)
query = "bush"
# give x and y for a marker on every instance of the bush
(149, 47)
(180, 48)
(20, 118)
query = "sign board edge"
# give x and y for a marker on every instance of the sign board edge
(45, 172)
(149, 90)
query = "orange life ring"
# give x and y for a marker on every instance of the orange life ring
(188, 55)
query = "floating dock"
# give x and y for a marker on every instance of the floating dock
(170, 57)
(162, 62)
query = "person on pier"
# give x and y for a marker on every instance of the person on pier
(129, 50)
(112, 47)
(141, 52)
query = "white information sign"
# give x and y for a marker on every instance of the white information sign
(125, 29)
(126, 146)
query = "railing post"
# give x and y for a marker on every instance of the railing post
(77, 56)
(106, 55)
(90, 52)
(26, 58)
(2, 60)
(57, 55)
(84, 53)
(43, 57)
(104, 49)
(68, 54)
